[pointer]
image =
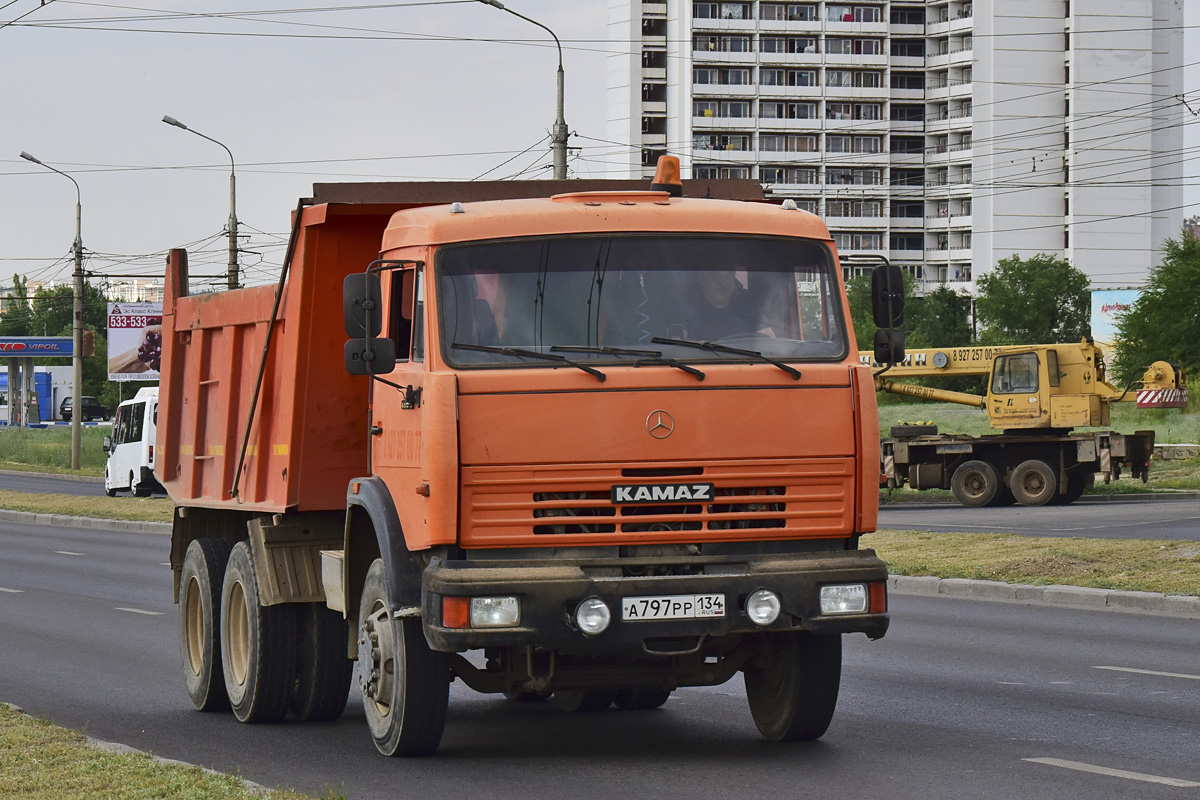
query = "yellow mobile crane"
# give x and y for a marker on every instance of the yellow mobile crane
(1036, 395)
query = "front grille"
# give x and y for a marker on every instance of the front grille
(502, 506)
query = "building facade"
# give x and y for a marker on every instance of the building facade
(943, 134)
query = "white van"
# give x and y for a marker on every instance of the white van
(131, 447)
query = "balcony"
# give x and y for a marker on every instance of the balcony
(780, 124)
(915, 31)
(960, 221)
(906, 94)
(907, 223)
(907, 62)
(722, 123)
(903, 256)
(842, 28)
(653, 9)
(654, 73)
(939, 28)
(723, 25)
(960, 154)
(704, 57)
(961, 89)
(962, 25)
(702, 90)
(856, 223)
(654, 107)
(856, 59)
(719, 156)
(856, 93)
(963, 256)
(937, 222)
(937, 61)
(937, 91)
(790, 59)
(962, 56)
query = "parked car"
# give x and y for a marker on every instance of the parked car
(92, 409)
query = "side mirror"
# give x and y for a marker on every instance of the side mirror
(889, 347)
(887, 296)
(108, 444)
(370, 356)
(361, 300)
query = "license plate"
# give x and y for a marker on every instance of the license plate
(673, 606)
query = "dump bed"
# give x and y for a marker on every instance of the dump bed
(307, 431)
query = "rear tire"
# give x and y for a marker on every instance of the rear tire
(405, 684)
(111, 491)
(258, 644)
(587, 702)
(1034, 483)
(641, 699)
(1077, 483)
(323, 669)
(792, 685)
(975, 484)
(200, 583)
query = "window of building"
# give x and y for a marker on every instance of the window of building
(802, 110)
(791, 175)
(838, 110)
(734, 77)
(723, 44)
(734, 108)
(789, 143)
(801, 44)
(867, 110)
(704, 75)
(908, 177)
(772, 77)
(868, 144)
(867, 14)
(966, 210)
(854, 208)
(840, 47)
(867, 47)
(837, 144)
(835, 13)
(908, 48)
(867, 79)
(907, 144)
(704, 108)
(907, 113)
(654, 59)
(770, 109)
(772, 11)
(907, 16)
(802, 12)
(844, 176)
(908, 210)
(802, 77)
(716, 172)
(858, 241)
(837, 77)
(735, 11)
(654, 92)
(726, 141)
(706, 10)
(772, 44)
(906, 241)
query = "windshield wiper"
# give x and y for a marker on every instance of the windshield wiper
(721, 348)
(647, 357)
(522, 352)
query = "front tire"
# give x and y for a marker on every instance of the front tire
(199, 616)
(258, 644)
(405, 684)
(792, 685)
(111, 491)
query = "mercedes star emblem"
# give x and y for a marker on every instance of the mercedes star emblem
(660, 424)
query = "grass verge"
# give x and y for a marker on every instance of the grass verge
(1138, 565)
(40, 761)
(138, 509)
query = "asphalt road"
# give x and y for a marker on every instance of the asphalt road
(37, 483)
(1132, 517)
(956, 701)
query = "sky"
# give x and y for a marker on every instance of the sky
(370, 92)
(407, 90)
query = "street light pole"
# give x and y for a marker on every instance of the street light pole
(558, 134)
(77, 326)
(232, 225)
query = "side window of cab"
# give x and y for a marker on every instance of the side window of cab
(406, 315)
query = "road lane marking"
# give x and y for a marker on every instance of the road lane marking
(141, 611)
(12, 591)
(67, 553)
(1152, 672)
(1079, 766)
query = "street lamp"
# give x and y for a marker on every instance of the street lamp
(558, 134)
(77, 327)
(232, 274)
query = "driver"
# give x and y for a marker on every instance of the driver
(719, 309)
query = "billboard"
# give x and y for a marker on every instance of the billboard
(134, 341)
(1106, 305)
(40, 346)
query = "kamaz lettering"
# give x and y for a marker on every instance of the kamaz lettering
(662, 493)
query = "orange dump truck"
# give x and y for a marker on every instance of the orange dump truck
(598, 446)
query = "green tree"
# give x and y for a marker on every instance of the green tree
(1039, 300)
(16, 310)
(940, 319)
(1163, 324)
(858, 292)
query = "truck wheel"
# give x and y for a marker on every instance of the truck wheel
(586, 702)
(322, 668)
(792, 685)
(1004, 496)
(975, 484)
(199, 615)
(111, 491)
(136, 488)
(1033, 483)
(405, 685)
(640, 699)
(258, 644)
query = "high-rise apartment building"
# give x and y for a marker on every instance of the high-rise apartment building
(944, 134)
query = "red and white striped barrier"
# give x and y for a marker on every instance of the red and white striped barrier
(1162, 398)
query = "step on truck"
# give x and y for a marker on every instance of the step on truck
(595, 447)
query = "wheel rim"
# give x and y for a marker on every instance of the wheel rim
(194, 626)
(377, 643)
(974, 484)
(1033, 484)
(239, 633)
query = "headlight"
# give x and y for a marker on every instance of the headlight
(495, 612)
(592, 616)
(763, 607)
(849, 598)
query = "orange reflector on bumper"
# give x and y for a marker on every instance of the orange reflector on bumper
(456, 612)
(878, 601)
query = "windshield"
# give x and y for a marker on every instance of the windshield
(594, 297)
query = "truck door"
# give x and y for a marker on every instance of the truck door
(1014, 400)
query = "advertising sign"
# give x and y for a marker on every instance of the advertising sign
(134, 341)
(1106, 305)
(40, 346)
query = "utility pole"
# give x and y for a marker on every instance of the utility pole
(558, 133)
(77, 326)
(232, 225)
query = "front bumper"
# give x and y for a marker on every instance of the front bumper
(550, 591)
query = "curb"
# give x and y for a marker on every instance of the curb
(117, 747)
(63, 476)
(1087, 499)
(95, 523)
(1080, 597)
